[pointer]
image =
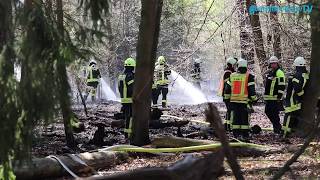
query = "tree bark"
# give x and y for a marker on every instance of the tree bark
(190, 168)
(275, 30)
(212, 116)
(146, 54)
(257, 37)
(64, 85)
(42, 168)
(312, 91)
(5, 23)
(246, 44)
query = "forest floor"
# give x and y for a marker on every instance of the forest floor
(51, 142)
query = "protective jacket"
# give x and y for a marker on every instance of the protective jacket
(295, 90)
(93, 75)
(126, 81)
(274, 85)
(161, 75)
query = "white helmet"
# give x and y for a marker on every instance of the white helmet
(92, 61)
(273, 59)
(231, 61)
(197, 61)
(242, 63)
(299, 61)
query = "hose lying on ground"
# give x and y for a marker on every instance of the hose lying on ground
(129, 148)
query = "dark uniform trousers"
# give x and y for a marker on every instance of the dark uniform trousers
(163, 90)
(291, 121)
(228, 116)
(240, 117)
(272, 110)
(127, 111)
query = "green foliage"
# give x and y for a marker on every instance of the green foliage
(6, 172)
(9, 112)
(41, 50)
(97, 10)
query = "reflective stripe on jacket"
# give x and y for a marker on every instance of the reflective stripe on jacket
(295, 91)
(93, 75)
(275, 85)
(126, 88)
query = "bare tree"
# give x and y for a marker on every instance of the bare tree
(313, 89)
(257, 37)
(64, 85)
(275, 30)
(146, 54)
(246, 44)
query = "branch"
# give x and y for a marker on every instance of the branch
(294, 158)
(212, 116)
(204, 21)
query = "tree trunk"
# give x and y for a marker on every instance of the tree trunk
(6, 35)
(42, 168)
(275, 30)
(212, 116)
(5, 23)
(246, 44)
(146, 54)
(64, 85)
(190, 168)
(312, 91)
(257, 37)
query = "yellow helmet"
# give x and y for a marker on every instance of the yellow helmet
(161, 60)
(130, 62)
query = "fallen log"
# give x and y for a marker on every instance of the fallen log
(190, 168)
(41, 168)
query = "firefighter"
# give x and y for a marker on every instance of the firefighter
(295, 91)
(230, 68)
(162, 82)
(126, 82)
(93, 75)
(241, 89)
(274, 92)
(195, 73)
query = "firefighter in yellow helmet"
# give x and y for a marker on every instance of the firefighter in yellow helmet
(295, 91)
(241, 89)
(162, 81)
(126, 82)
(230, 68)
(93, 75)
(274, 92)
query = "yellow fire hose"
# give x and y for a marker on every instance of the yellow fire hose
(129, 148)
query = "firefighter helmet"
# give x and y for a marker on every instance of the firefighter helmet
(242, 63)
(130, 62)
(231, 61)
(299, 61)
(197, 61)
(273, 59)
(161, 60)
(92, 62)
